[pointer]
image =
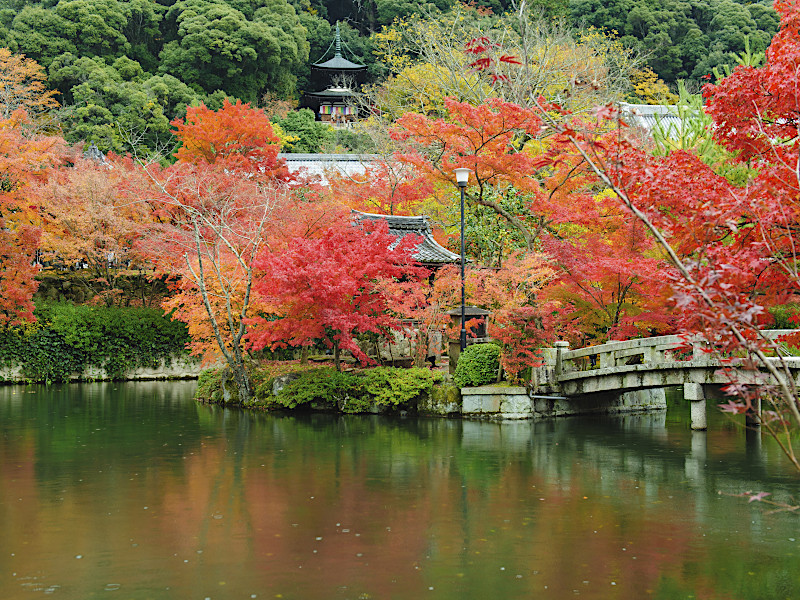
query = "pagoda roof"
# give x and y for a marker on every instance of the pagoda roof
(338, 62)
(333, 92)
(429, 251)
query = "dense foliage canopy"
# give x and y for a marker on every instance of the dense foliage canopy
(125, 68)
(197, 98)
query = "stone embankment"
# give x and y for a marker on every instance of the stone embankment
(504, 402)
(178, 368)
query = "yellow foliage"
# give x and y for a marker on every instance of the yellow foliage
(388, 46)
(422, 88)
(22, 85)
(286, 140)
(545, 60)
(649, 89)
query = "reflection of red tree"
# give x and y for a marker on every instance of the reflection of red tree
(255, 514)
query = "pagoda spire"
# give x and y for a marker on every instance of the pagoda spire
(338, 40)
(338, 62)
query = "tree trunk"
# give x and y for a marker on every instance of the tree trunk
(337, 363)
(243, 384)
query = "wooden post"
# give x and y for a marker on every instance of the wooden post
(752, 418)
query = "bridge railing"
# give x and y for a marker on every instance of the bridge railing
(661, 349)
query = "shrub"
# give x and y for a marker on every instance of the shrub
(266, 372)
(394, 388)
(347, 392)
(322, 386)
(209, 386)
(783, 314)
(477, 365)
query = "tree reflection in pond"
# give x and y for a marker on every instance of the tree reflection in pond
(164, 498)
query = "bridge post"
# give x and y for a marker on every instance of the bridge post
(693, 392)
(561, 347)
(752, 418)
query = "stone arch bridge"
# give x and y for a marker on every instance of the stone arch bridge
(624, 376)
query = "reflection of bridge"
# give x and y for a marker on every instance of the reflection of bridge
(617, 377)
(649, 363)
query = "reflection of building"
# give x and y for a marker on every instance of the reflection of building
(337, 77)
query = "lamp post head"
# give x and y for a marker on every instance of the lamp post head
(462, 176)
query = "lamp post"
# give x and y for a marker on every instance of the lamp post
(462, 176)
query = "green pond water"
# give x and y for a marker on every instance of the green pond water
(134, 491)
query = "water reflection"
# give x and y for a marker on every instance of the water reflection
(133, 488)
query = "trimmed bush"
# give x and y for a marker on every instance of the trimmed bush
(782, 315)
(477, 365)
(324, 387)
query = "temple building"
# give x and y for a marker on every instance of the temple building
(428, 253)
(337, 78)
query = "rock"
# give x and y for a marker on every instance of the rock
(281, 380)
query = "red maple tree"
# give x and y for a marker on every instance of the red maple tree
(214, 211)
(331, 287)
(732, 249)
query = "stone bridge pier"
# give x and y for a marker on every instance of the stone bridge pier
(697, 394)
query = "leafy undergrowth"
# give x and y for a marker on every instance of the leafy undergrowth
(321, 387)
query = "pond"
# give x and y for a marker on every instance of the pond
(132, 490)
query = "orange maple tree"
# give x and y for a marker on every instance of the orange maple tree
(213, 209)
(387, 187)
(87, 216)
(488, 140)
(22, 85)
(236, 135)
(537, 181)
(25, 158)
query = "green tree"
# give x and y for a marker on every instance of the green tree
(142, 31)
(41, 34)
(97, 26)
(308, 134)
(111, 105)
(214, 46)
(683, 40)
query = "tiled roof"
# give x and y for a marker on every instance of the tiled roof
(321, 164)
(650, 116)
(333, 92)
(429, 251)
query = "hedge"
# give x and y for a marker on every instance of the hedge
(68, 338)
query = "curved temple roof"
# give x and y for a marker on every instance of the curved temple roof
(429, 252)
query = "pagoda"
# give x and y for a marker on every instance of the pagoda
(334, 103)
